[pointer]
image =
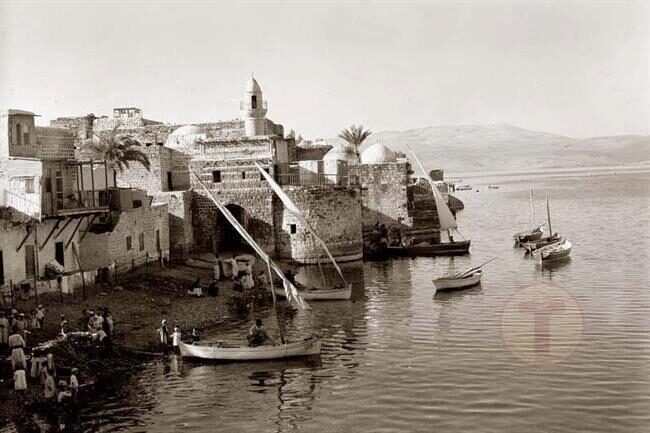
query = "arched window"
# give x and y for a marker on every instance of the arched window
(254, 102)
(19, 134)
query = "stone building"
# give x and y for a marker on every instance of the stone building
(50, 200)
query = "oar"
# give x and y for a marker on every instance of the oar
(474, 268)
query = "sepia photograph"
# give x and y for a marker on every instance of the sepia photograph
(325, 216)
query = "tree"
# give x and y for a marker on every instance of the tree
(118, 150)
(355, 136)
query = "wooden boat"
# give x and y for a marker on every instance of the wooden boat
(553, 238)
(428, 249)
(464, 188)
(535, 233)
(316, 294)
(451, 282)
(553, 252)
(447, 223)
(493, 186)
(468, 278)
(233, 353)
(221, 352)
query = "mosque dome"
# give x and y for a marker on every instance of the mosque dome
(378, 154)
(187, 130)
(185, 136)
(252, 86)
(341, 152)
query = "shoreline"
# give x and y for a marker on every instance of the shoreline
(138, 302)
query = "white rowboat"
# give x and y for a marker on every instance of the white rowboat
(557, 251)
(453, 282)
(321, 294)
(307, 347)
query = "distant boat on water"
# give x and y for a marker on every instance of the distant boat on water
(535, 233)
(462, 280)
(465, 187)
(552, 238)
(493, 186)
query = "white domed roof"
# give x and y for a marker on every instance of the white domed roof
(253, 86)
(187, 130)
(378, 154)
(341, 152)
(185, 136)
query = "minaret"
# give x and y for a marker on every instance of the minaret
(253, 109)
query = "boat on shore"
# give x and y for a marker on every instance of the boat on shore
(238, 352)
(232, 353)
(317, 294)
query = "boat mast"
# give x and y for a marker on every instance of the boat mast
(548, 214)
(532, 208)
(275, 307)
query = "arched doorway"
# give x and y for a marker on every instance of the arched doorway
(228, 238)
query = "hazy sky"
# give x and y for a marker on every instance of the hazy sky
(575, 68)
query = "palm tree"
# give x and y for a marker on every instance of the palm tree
(355, 136)
(118, 150)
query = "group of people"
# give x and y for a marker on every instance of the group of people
(174, 338)
(393, 235)
(13, 334)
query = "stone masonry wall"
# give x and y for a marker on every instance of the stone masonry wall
(179, 205)
(335, 215)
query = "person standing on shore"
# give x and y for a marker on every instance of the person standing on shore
(4, 330)
(195, 336)
(17, 345)
(49, 387)
(74, 383)
(176, 339)
(163, 333)
(20, 325)
(40, 316)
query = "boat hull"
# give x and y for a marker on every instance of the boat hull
(528, 237)
(441, 249)
(308, 347)
(541, 243)
(450, 283)
(321, 295)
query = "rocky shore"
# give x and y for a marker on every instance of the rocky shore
(138, 302)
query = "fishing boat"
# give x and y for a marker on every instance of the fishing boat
(554, 252)
(552, 238)
(535, 233)
(465, 187)
(317, 294)
(343, 292)
(237, 352)
(462, 280)
(226, 352)
(447, 224)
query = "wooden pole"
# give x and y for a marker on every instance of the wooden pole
(275, 307)
(11, 288)
(83, 279)
(36, 261)
(92, 180)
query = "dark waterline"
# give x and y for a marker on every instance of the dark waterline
(398, 359)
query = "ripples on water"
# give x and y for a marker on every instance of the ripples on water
(397, 359)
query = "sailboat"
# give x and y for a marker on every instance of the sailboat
(343, 292)
(447, 223)
(552, 238)
(553, 250)
(468, 278)
(236, 352)
(535, 233)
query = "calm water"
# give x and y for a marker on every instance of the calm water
(398, 359)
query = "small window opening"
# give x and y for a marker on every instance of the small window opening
(216, 176)
(292, 229)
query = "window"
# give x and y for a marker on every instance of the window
(48, 183)
(59, 253)
(19, 134)
(254, 102)
(170, 183)
(30, 261)
(262, 176)
(292, 229)
(129, 247)
(141, 241)
(29, 185)
(26, 140)
(243, 175)
(157, 240)
(216, 176)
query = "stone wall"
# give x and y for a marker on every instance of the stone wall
(335, 215)
(181, 236)
(112, 248)
(163, 161)
(383, 193)
(55, 143)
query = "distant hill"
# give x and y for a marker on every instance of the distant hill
(497, 147)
